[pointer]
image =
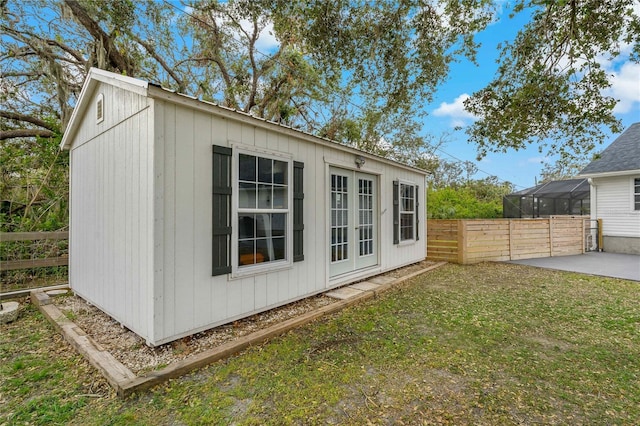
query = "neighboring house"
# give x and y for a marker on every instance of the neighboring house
(615, 192)
(185, 215)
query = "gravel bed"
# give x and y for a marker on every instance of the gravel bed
(132, 351)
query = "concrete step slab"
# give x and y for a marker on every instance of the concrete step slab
(382, 280)
(344, 293)
(365, 286)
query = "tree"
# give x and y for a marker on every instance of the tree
(563, 168)
(550, 85)
(280, 85)
(474, 199)
(48, 47)
(385, 54)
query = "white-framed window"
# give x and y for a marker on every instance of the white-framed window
(100, 108)
(263, 214)
(636, 194)
(407, 212)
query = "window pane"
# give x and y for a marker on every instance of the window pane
(262, 251)
(278, 224)
(280, 172)
(246, 253)
(247, 195)
(264, 197)
(265, 170)
(263, 225)
(246, 226)
(279, 197)
(410, 204)
(278, 248)
(247, 167)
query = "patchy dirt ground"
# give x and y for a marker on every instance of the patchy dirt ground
(131, 350)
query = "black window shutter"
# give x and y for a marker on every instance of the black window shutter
(221, 211)
(396, 212)
(298, 211)
(417, 211)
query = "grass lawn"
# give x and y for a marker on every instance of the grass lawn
(483, 344)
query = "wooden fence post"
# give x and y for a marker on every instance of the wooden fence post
(584, 242)
(511, 221)
(600, 236)
(550, 236)
(462, 242)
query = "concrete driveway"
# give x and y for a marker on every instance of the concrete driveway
(626, 266)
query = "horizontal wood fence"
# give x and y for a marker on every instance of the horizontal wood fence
(478, 240)
(10, 265)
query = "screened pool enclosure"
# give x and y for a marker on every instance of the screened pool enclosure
(560, 197)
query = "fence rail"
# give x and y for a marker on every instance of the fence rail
(477, 240)
(10, 265)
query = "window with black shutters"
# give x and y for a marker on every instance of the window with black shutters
(405, 212)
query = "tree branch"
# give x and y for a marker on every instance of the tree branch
(28, 118)
(116, 59)
(25, 133)
(152, 51)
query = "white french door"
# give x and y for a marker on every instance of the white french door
(353, 221)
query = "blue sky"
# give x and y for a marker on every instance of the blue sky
(519, 167)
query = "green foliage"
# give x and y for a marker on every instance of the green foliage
(550, 85)
(34, 180)
(475, 199)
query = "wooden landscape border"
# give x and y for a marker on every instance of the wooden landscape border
(125, 382)
(468, 241)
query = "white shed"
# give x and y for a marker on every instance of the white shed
(186, 215)
(614, 177)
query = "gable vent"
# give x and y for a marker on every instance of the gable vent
(100, 108)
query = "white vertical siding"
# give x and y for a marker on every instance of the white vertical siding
(187, 298)
(614, 198)
(110, 238)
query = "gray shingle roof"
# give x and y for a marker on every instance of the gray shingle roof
(623, 154)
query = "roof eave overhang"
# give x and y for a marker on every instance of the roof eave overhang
(611, 174)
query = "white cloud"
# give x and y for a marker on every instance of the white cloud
(455, 110)
(625, 87)
(267, 40)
